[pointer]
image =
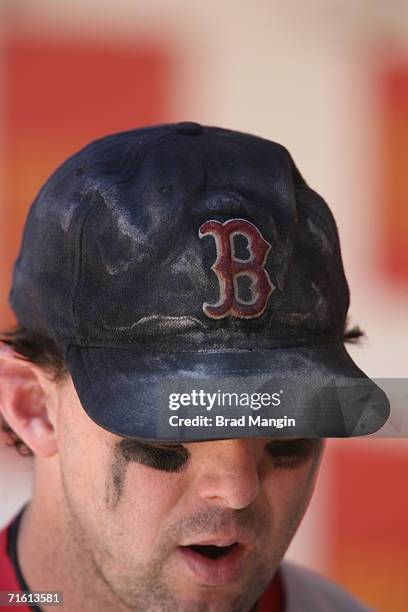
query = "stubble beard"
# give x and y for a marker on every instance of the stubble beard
(145, 587)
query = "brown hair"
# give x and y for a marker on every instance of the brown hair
(49, 355)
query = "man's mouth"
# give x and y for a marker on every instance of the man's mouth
(214, 564)
(211, 551)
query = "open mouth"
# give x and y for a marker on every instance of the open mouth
(214, 565)
(211, 551)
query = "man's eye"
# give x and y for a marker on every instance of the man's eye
(292, 453)
(165, 457)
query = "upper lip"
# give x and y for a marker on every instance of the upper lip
(218, 541)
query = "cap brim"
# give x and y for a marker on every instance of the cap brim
(126, 391)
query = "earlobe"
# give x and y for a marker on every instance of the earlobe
(25, 403)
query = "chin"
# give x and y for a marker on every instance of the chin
(210, 600)
(191, 596)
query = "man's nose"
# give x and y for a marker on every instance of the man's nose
(228, 473)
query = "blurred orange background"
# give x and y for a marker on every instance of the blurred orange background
(331, 84)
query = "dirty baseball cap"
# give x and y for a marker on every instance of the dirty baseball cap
(196, 284)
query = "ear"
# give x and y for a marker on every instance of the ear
(27, 396)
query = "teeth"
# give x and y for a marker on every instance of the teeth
(212, 551)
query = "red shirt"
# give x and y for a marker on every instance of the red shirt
(8, 576)
(272, 600)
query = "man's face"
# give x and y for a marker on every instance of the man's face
(150, 516)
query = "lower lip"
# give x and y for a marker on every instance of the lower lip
(214, 571)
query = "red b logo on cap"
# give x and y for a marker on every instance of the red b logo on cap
(228, 268)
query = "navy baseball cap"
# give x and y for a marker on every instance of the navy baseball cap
(179, 263)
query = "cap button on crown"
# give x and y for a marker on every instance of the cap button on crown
(189, 128)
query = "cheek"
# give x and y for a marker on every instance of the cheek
(132, 502)
(288, 492)
(146, 504)
(84, 451)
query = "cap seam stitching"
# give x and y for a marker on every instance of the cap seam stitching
(79, 266)
(224, 184)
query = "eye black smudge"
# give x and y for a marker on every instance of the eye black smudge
(165, 457)
(287, 454)
(114, 485)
